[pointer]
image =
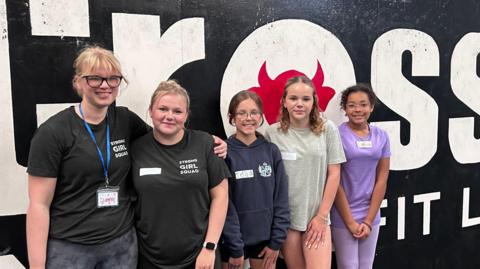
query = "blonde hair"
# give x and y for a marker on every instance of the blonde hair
(169, 87)
(94, 57)
(316, 122)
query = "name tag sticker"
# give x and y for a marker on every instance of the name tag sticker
(364, 144)
(243, 174)
(289, 156)
(150, 171)
(107, 196)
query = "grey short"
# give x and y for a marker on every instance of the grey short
(118, 253)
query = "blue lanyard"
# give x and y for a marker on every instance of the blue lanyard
(89, 130)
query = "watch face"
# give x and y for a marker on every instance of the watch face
(210, 245)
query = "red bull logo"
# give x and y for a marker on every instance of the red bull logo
(271, 90)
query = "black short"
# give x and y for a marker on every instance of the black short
(249, 252)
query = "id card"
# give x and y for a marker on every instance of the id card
(364, 144)
(243, 174)
(107, 196)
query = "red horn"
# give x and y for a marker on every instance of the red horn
(263, 78)
(318, 77)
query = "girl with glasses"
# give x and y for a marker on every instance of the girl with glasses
(258, 214)
(356, 215)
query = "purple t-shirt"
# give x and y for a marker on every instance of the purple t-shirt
(358, 173)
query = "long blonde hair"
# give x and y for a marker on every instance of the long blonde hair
(316, 122)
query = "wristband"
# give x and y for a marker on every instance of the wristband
(323, 218)
(368, 225)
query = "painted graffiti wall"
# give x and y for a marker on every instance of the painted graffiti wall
(421, 58)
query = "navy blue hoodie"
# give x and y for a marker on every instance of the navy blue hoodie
(258, 197)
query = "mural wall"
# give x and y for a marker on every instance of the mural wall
(421, 58)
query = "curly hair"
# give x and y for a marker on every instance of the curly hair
(316, 122)
(359, 87)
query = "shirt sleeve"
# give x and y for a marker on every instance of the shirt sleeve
(281, 211)
(386, 146)
(138, 127)
(216, 167)
(45, 154)
(267, 134)
(335, 153)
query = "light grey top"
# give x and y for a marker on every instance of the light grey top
(306, 157)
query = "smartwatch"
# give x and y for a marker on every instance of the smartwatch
(210, 245)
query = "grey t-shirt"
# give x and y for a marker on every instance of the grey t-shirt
(306, 157)
(173, 183)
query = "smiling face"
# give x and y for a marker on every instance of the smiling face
(97, 62)
(169, 113)
(358, 108)
(101, 96)
(299, 102)
(247, 118)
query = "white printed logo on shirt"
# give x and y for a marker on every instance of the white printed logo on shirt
(265, 170)
(189, 166)
(244, 174)
(119, 148)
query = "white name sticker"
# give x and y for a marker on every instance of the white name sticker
(243, 174)
(107, 197)
(364, 144)
(289, 156)
(150, 171)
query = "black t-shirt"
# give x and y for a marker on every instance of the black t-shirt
(62, 148)
(172, 184)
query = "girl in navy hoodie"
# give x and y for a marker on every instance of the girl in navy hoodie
(258, 214)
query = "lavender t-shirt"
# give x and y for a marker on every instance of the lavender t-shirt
(358, 173)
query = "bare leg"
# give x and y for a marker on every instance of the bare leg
(318, 258)
(292, 250)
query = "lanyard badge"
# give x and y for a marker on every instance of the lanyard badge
(107, 196)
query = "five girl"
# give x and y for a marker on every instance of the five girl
(181, 186)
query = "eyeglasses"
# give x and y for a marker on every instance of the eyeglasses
(352, 106)
(244, 114)
(96, 81)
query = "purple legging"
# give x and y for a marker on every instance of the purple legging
(352, 253)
